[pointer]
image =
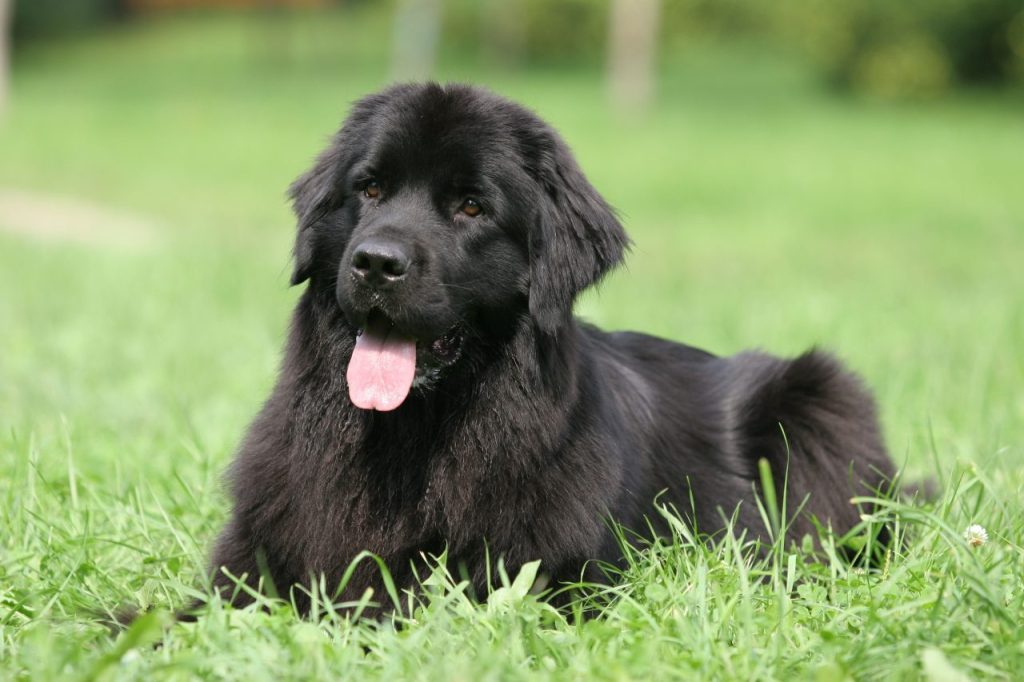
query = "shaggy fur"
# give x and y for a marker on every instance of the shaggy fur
(527, 429)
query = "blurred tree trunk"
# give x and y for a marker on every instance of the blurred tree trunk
(633, 39)
(503, 23)
(5, 51)
(417, 29)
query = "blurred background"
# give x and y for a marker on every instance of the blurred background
(839, 172)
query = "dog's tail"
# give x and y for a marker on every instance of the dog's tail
(815, 423)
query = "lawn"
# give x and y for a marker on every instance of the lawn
(141, 330)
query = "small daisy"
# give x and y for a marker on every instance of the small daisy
(976, 535)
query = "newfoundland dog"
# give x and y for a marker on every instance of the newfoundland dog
(438, 395)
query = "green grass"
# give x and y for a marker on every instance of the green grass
(764, 212)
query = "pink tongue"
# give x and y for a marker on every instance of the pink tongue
(382, 368)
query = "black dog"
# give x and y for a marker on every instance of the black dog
(437, 392)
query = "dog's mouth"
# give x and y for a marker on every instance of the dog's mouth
(386, 362)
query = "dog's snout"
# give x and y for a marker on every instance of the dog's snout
(380, 263)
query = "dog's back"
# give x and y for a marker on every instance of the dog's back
(709, 420)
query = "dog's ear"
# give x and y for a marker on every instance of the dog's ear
(314, 194)
(577, 238)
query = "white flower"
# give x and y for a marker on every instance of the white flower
(976, 535)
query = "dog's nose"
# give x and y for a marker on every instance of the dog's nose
(379, 263)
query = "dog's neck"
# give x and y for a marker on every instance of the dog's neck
(435, 461)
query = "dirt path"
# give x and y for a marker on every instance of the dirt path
(59, 218)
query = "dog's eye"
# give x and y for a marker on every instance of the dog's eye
(372, 189)
(471, 208)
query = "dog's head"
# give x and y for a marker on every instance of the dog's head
(442, 215)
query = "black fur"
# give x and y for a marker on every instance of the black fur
(541, 427)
